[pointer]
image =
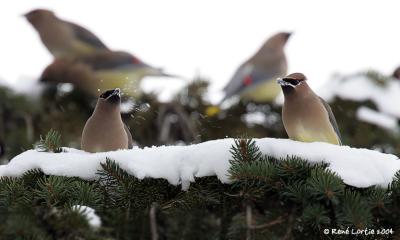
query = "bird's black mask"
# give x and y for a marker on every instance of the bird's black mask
(112, 96)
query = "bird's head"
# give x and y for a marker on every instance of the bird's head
(39, 15)
(278, 40)
(284, 36)
(291, 82)
(112, 96)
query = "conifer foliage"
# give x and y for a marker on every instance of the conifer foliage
(268, 198)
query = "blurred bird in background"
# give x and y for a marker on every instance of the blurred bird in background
(82, 59)
(306, 117)
(104, 130)
(255, 79)
(62, 38)
(100, 71)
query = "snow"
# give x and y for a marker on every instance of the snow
(182, 164)
(359, 87)
(3, 82)
(380, 119)
(254, 118)
(90, 215)
(259, 118)
(127, 106)
(165, 88)
(27, 86)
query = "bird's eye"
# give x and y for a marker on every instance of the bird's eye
(295, 82)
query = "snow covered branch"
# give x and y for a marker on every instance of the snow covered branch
(182, 164)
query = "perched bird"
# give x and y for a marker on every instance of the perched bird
(104, 130)
(101, 71)
(62, 38)
(306, 116)
(255, 78)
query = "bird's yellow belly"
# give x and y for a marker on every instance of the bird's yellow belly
(304, 134)
(265, 92)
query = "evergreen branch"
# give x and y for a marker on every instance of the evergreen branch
(325, 185)
(51, 143)
(355, 211)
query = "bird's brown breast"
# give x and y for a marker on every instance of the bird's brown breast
(104, 134)
(306, 119)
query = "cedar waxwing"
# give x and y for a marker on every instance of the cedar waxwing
(255, 78)
(396, 73)
(101, 71)
(306, 117)
(104, 130)
(63, 39)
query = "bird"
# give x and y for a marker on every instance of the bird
(306, 117)
(255, 78)
(101, 71)
(63, 39)
(105, 131)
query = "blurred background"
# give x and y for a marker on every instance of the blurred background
(347, 50)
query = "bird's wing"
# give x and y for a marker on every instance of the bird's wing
(111, 60)
(247, 76)
(130, 140)
(121, 61)
(236, 83)
(332, 119)
(86, 36)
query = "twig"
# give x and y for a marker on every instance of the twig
(153, 222)
(288, 233)
(268, 224)
(248, 222)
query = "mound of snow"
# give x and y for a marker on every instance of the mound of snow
(181, 164)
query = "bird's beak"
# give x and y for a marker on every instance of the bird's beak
(283, 83)
(117, 92)
(288, 35)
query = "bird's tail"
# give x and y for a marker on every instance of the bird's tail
(163, 74)
(159, 72)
